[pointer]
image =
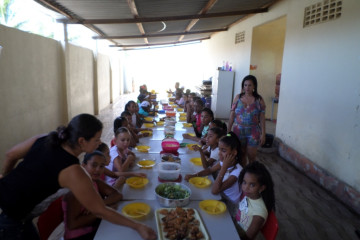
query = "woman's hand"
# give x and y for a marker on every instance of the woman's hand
(262, 139)
(146, 232)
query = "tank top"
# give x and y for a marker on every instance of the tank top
(34, 179)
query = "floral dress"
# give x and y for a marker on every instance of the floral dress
(246, 122)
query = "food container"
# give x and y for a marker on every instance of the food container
(169, 170)
(163, 197)
(170, 145)
(136, 210)
(137, 182)
(170, 122)
(169, 130)
(170, 113)
(169, 157)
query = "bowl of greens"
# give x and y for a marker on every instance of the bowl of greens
(171, 194)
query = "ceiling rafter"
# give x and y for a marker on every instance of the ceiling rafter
(160, 35)
(157, 44)
(134, 12)
(162, 19)
(203, 11)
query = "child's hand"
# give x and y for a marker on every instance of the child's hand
(229, 161)
(186, 136)
(197, 148)
(188, 176)
(143, 175)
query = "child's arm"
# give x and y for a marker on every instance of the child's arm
(110, 195)
(123, 167)
(204, 172)
(219, 185)
(76, 217)
(255, 227)
(203, 157)
(187, 136)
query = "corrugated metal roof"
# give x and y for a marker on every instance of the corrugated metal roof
(137, 23)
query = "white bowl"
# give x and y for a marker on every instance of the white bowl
(169, 170)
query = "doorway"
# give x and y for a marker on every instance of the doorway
(266, 63)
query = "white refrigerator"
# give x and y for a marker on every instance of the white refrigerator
(222, 94)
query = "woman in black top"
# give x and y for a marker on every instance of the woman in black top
(51, 162)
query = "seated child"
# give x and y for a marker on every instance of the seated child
(228, 167)
(179, 99)
(132, 108)
(121, 157)
(145, 109)
(206, 117)
(135, 131)
(210, 153)
(79, 223)
(196, 119)
(123, 122)
(104, 148)
(259, 199)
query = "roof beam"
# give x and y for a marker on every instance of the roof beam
(135, 13)
(161, 35)
(157, 44)
(162, 19)
(205, 9)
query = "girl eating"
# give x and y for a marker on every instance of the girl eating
(79, 222)
(121, 157)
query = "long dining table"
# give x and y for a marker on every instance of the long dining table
(218, 226)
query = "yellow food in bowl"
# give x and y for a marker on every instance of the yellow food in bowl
(182, 114)
(212, 206)
(142, 148)
(200, 182)
(160, 123)
(196, 161)
(149, 119)
(191, 134)
(146, 163)
(137, 182)
(145, 132)
(190, 146)
(136, 210)
(180, 109)
(148, 125)
(187, 124)
(182, 118)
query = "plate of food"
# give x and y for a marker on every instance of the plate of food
(160, 123)
(196, 161)
(149, 119)
(187, 124)
(146, 133)
(136, 210)
(146, 163)
(168, 157)
(190, 146)
(137, 182)
(171, 224)
(142, 148)
(149, 125)
(191, 134)
(200, 182)
(212, 206)
(181, 119)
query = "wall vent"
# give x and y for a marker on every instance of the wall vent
(240, 37)
(322, 12)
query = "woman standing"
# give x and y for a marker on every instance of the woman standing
(51, 162)
(247, 117)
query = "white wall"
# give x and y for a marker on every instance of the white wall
(319, 109)
(319, 113)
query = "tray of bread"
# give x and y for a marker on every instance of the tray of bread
(180, 223)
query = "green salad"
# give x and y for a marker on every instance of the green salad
(172, 191)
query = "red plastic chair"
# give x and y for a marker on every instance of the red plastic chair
(50, 219)
(271, 227)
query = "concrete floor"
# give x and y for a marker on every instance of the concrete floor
(304, 210)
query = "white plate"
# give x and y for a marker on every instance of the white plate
(162, 234)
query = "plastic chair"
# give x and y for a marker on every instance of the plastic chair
(50, 219)
(271, 227)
